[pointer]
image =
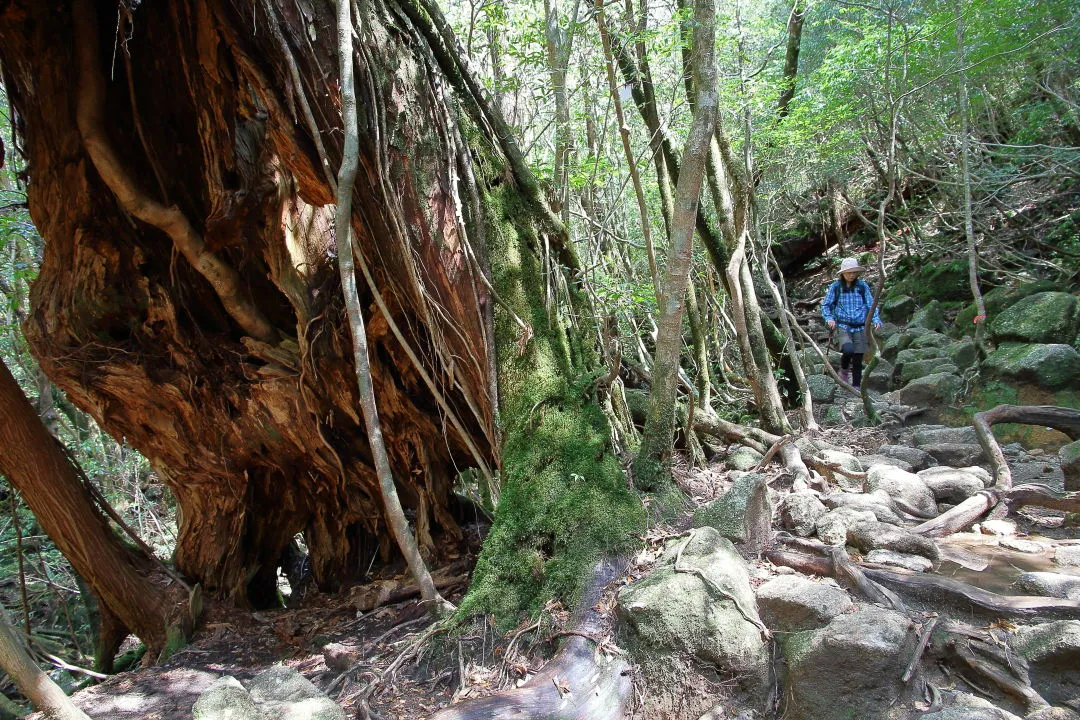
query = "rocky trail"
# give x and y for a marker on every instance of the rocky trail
(925, 571)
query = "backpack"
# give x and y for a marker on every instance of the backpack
(864, 289)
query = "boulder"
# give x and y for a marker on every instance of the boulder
(743, 514)
(898, 308)
(915, 354)
(963, 354)
(1050, 366)
(921, 368)
(1067, 555)
(339, 657)
(951, 485)
(886, 460)
(1029, 547)
(832, 527)
(790, 602)
(906, 487)
(1053, 713)
(867, 536)
(1070, 464)
(894, 344)
(916, 458)
(1050, 584)
(850, 669)
(934, 340)
(226, 699)
(880, 377)
(970, 712)
(878, 503)
(917, 563)
(743, 458)
(282, 692)
(996, 301)
(936, 434)
(930, 317)
(1052, 651)
(936, 389)
(676, 612)
(1044, 317)
(822, 388)
(956, 454)
(799, 512)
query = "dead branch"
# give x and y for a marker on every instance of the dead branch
(959, 517)
(1017, 688)
(1066, 420)
(924, 639)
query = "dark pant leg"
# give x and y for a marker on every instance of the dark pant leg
(845, 360)
(856, 369)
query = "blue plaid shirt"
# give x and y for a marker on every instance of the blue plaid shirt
(848, 306)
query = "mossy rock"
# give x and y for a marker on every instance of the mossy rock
(898, 308)
(919, 354)
(822, 388)
(964, 353)
(996, 300)
(1051, 366)
(930, 317)
(892, 346)
(946, 280)
(930, 340)
(921, 368)
(1046, 317)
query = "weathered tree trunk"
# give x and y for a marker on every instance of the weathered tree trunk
(657, 441)
(256, 430)
(134, 595)
(32, 682)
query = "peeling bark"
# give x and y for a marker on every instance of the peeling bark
(256, 431)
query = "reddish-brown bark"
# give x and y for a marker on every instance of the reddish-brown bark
(258, 440)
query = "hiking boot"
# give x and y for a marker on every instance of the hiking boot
(845, 375)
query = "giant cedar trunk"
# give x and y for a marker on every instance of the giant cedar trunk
(258, 440)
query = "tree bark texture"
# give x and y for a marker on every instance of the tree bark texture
(252, 417)
(132, 592)
(32, 682)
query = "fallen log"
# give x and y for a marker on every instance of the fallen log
(936, 587)
(578, 684)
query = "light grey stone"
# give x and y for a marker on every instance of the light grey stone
(799, 512)
(968, 712)
(907, 561)
(1053, 653)
(1053, 713)
(903, 486)
(936, 434)
(869, 460)
(951, 485)
(743, 458)
(282, 692)
(867, 536)
(956, 454)
(878, 503)
(1068, 555)
(916, 458)
(998, 527)
(1050, 584)
(822, 388)
(832, 527)
(678, 612)
(791, 602)
(850, 669)
(226, 699)
(1023, 546)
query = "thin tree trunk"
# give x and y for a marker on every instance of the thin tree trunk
(653, 457)
(965, 179)
(120, 576)
(45, 694)
(624, 133)
(395, 514)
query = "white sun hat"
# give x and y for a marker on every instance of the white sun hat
(850, 264)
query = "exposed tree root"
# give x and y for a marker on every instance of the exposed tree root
(1066, 420)
(580, 683)
(967, 596)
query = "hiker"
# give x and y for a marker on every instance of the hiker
(845, 306)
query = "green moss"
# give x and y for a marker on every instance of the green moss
(175, 640)
(565, 501)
